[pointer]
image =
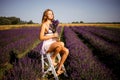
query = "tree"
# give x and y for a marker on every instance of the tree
(4, 21)
(75, 22)
(13, 20)
(81, 22)
(30, 22)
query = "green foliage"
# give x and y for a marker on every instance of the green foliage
(30, 22)
(76, 22)
(4, 20)
(13, 20)
(81, 22)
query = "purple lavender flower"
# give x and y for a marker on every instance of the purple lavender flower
(54, 25)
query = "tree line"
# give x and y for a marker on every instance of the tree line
(13, 20)
(77, 22)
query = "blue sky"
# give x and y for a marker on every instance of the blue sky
(65, 10)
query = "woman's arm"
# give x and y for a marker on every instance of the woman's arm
(43, 37)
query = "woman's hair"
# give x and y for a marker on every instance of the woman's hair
(45, 15)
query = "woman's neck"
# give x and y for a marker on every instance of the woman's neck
(48, 22)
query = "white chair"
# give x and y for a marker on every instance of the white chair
(47, 61)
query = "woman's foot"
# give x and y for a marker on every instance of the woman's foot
(54, 63)
(60, 72)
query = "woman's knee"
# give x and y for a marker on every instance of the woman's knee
(62, 44)
(58, 48)
(66, 51)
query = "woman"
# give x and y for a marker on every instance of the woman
(50, 42)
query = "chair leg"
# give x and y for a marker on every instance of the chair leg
(42, 60)
(52, 67)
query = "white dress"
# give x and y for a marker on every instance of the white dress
(46, 43)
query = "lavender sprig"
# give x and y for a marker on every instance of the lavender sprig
(54, 25)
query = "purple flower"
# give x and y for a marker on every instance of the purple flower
(54, 25)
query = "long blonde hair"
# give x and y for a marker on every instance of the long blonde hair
(45, 15)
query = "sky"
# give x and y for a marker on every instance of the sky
(66, 11)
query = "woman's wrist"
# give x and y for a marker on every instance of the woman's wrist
(54, 35)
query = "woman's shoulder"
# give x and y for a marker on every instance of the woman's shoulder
(43, 25)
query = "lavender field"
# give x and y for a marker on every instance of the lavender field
(94, 53)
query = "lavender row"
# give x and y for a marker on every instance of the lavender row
(106, 34)
(6, 41)
(9, 33)
(13, 32)
(27, 68)
(113, 30)
(19, 46)
(101, 29)
(81, 64)
(8, 36)
(99, 43)
(9, 52)
(22, 44)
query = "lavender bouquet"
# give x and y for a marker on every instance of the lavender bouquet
(54, 25)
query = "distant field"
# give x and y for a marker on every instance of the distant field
(4, 27)
(89, 24)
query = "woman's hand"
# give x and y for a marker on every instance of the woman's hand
(55, 35)
(58, 39)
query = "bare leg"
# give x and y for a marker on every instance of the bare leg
(56, 48)
(64, 56)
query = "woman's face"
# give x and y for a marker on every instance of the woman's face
(50, 15)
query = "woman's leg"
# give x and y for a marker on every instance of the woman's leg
(65, 53)
(56, 48)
